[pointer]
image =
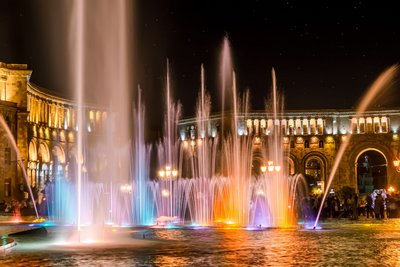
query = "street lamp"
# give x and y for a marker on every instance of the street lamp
(263, 168)
(271, 167)
(396, 164)
(126, 188)
(167, 173)
(391, 189)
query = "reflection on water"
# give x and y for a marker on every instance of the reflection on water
(346, 243)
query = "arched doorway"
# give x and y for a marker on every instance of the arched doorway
(315, 174)
(371, 165)
(58, 162)
(291, 166)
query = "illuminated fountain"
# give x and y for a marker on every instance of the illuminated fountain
(103, 185)
(168, 191)
(206, 178)
(203, 181)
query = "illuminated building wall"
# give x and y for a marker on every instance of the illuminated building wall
(44, 126)
(312, 139)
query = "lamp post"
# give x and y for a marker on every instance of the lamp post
(169, 174)
(126, 188)
(396, 164)
(270, 167)
(391, 189)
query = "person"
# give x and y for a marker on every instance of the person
(378, 207)
(355, 207)
(368, 206)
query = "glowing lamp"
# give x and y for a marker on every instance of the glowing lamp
(165, 193)
(263, 168)
(277, 168)
(167, 173)
(270, 168)
(396, 164)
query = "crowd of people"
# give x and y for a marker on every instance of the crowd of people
(14, 207)
(377, 205)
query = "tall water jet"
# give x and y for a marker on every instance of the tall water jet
(226, 79)
(276, 189)
(234, 190)
(168, 190)
(377, 87)
(202, 153)
(142, 197)
(102, 74)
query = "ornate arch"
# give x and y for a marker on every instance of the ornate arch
(44, 152)
(292, 164)
(370, 149)
(322, 160)
(366, 176)
(32, 151)
(315, 154)
(58, 152)
(379, 145)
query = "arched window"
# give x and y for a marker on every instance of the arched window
(291, 144)
(291, 167)
(306, 144)
(313, 168)
(315, 174)
(321, 144)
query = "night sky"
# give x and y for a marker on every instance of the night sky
(325, 55)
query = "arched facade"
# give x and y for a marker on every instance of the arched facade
(371, 170)
(315, 167)
(311, 140)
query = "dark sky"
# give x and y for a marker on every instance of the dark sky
(325, 55)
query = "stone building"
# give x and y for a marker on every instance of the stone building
(44, 127)
(311, 141)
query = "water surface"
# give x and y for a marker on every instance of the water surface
(366, 243)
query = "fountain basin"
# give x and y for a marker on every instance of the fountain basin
(7, 244)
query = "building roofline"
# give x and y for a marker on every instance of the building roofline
(303, 113)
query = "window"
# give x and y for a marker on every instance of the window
(306, 144)
(313, 128)
(7, 155)
(361, 125)
(369, 125)
(354, 129)
(321, 144)
(320, 126)
(313, 169)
